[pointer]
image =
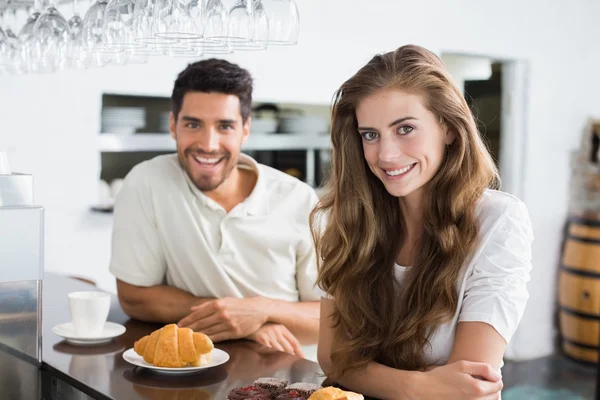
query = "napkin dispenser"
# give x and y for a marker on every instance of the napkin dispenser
(21, 267)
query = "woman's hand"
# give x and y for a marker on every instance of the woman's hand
(462, 380)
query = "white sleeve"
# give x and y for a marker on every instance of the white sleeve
(137, 257)
(315, 292)
(496, 290)
(306, 276)
(306, 262)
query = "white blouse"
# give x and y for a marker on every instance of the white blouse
(492, 284)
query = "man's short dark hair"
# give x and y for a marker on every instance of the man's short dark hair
(214, 76)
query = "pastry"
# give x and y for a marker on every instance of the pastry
(304, 389)
(248, 393)
(291, 395)
(333, 393)
(174, 347)
(274, 386)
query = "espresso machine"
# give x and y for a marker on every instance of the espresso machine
(21, 276)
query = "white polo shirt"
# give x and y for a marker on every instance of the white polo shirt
(166, 231)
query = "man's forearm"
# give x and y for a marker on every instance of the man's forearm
(302, 318)
(163, 304)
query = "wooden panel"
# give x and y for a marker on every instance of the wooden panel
(582, 256)
(580, 330)
(579, 293)
(583, 231)
(581, 354)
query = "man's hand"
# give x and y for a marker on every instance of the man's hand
(278, 337)
(228, 318)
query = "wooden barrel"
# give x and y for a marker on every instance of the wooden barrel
(579, 290)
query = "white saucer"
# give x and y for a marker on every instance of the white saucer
(218, 357)
(67, 331)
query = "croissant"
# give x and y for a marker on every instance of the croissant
(332, 393)
(175, 347)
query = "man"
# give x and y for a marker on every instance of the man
(209, 238)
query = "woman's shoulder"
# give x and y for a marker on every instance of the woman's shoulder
(495, 203)
(496, 207)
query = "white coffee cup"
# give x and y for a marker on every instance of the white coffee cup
(89, 310)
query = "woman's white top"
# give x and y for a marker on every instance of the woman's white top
(492, 287)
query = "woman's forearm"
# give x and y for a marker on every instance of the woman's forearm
(382, 382)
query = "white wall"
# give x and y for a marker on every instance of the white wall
(53, 120)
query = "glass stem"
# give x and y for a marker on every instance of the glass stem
(13, 23)
(43, 4)
(76, 7)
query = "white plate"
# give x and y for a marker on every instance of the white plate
(218, 357)
(67, 331)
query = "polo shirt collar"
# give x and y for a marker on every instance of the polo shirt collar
(255, 204)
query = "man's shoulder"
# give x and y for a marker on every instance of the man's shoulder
(155, 170)
(279, 184)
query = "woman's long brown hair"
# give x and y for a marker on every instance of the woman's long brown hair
(358, 240)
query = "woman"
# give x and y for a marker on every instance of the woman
(423, 265)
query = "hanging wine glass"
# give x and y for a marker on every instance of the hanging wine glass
(260, 32)
(96, 55)
(27, 53)
(75, 49)
(117, 26)
(13, 52)
(179, 19)
(209, 47)
(124, 32)
(5, 59)
(216, 22)
(145, 29)
(51, 35)
(10, 27)
(284, 21)
(241, 23)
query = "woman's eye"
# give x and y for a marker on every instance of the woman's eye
(369, 136)
(405, 130)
